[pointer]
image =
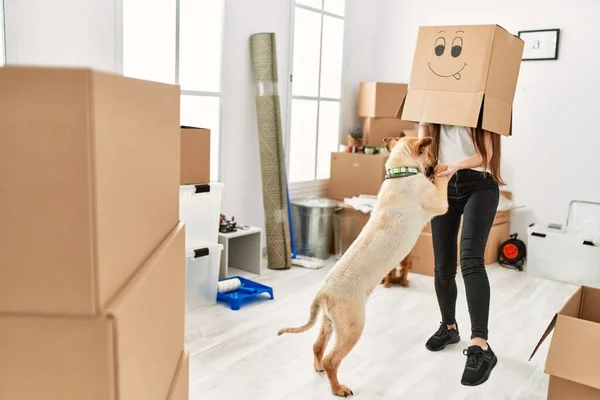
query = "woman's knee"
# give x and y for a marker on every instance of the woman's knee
(472, 265)
(444, 270)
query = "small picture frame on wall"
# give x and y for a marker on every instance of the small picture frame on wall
(540, 44)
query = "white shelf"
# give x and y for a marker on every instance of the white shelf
(241, 250)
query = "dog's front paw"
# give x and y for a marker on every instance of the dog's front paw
(440, 168)
(404, 283)
(342, 391)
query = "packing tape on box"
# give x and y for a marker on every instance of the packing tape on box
(266, 89)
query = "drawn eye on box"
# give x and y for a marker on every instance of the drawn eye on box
(443, 69)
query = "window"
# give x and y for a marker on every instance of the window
(179, 41)
(318, 41)
(2, 45)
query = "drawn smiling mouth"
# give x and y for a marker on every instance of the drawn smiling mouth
(456, 75)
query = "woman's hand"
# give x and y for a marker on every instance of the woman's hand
(451, 170)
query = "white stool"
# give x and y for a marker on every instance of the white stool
(241, 250)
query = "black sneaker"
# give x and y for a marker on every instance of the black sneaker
(479, 365)
(442, 338)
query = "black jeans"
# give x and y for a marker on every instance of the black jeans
(474, 196)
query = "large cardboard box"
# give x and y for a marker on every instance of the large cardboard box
(130, 351)
(353, 174)
(180, 387)
(195, 155)
(348, 223)
(380, 99)
(498, 234)
(422, 255)
(573, 360)
(89, 173)
(375, 129)
(464, 75)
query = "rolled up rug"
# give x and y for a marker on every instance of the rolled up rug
(272, 158)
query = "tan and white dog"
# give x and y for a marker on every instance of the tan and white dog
(406, 201)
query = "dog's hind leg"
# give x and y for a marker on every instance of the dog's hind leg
(387, 282)
(406, 266)
(321, 342)
(348, 326)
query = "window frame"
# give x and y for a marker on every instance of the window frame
(200, 93)
(3, 34)
(314, 186)
(120, 66)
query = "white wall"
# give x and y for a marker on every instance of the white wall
(240, 153)
(360, 56)
(550, 158)
(64, 33)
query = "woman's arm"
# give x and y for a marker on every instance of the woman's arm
(476, 160)
(423, 130)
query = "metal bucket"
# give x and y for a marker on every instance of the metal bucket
(313, 226)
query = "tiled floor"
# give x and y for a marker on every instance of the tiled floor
(239, 355)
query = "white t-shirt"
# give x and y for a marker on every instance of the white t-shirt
(455, 144)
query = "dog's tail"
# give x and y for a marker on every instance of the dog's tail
(315, 308)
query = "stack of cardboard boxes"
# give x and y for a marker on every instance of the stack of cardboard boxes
(92, 268)
(378, 104)
(354, 174)
(200, 209)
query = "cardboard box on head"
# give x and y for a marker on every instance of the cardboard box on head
(464, 76)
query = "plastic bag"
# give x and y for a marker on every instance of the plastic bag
(584, 221)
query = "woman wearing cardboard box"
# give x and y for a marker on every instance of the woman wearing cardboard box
(473, 158)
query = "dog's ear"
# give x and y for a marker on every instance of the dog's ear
(423, 144)
(390, 142)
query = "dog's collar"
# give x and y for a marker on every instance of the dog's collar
(401, 172)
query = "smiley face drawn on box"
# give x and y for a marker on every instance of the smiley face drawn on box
(452, 58)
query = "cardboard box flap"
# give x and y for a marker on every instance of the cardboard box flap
(401, 108)
(546, 333)
(574, 353)
(571, 309)
(496, 116)
(468, 109)
(590, 307)
(442, 107)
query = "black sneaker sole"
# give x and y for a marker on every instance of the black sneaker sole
(452, 341)
(485, 376)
